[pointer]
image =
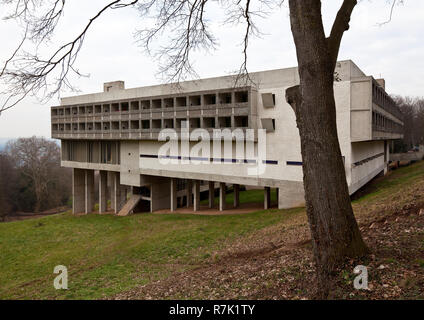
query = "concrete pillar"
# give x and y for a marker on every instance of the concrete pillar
(124, 196)
(116, 192)
(196, 204)
(222, 195)
(189, 192)
(291, 195)
(160, 194)
(173, 194)
(211, 194)
(89, 191)
(102, 191)
(236, 191)
(78, 190)
(267, 198)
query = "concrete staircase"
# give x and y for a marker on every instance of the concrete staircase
(130, 205)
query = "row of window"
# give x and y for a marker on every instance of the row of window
(159, 103)
(381, 98)
(205, 122)
(107, 152)
(382, 123)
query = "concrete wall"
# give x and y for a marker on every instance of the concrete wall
(368, 161)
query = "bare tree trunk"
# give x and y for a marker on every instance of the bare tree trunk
(333, 226)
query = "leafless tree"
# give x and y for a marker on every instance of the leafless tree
(7, 185)
(37, 158)
(413, 117)
(184, 26)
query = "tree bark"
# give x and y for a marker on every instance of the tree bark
(334, 230)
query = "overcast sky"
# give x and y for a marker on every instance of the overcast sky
(394, 51)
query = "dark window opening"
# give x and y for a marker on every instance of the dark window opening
(168, 123)
(145, 124)
(241, 122)
(241, 96)
(195, 123)
(124, 125)
(124, 106)
(135, 124)
(209, 122)
(145, 104)
(168, 102)
(115, 107)
(224, 122)
(194, 101)
(156, 124)
(209, 99)
(181, 101)
(225, 98)
(157, 104)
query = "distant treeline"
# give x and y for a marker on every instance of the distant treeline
(413, 118)
(31, 179)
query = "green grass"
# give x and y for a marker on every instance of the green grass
(106, 254)
(403, 176)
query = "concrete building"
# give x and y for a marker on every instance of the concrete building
(116, 132)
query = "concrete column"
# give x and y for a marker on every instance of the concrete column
(222, 195)
(211, 194)
(116, 192)
(102, 191)
(189, 192)
(236, 191)
(196, 195)
(267, 198)
(124, 194)
(78, 190)
(160, 193)
(173, 194)
(291, 195)
(89, 191)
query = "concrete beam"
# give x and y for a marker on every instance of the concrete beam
(236, 191)
(173, 194)
(102, 191)
(189, 192)
(78, 190)
(211, 194)
(89, 191)
(196, 195)
(222, 194)
(267, 198)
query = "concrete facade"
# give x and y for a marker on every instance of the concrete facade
(117, 131)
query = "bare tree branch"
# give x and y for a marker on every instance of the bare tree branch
(341, 24)
(30, 73)
(392, 8)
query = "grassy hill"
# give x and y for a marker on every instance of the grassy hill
(264, 254)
